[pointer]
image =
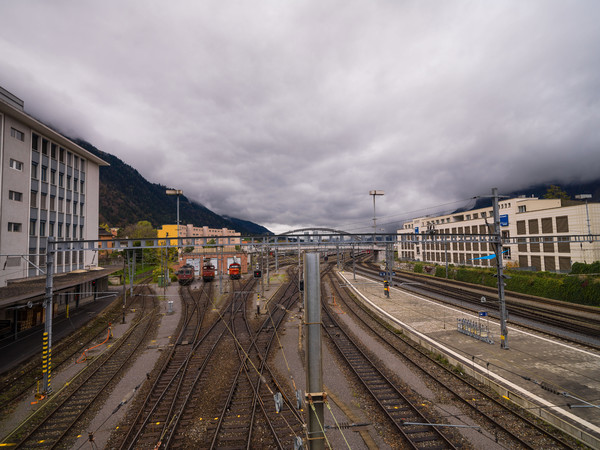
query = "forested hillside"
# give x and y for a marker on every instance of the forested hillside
(126, 198)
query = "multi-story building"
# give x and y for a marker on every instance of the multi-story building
(49, 188)
(233, 237)
(533, 222)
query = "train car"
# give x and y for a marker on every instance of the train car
(235, 271)
(208, 272)
(185, 275)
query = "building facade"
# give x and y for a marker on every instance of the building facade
(534, 222)
(49, 188)
(233, 237)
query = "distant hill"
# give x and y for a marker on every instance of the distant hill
(126, 197)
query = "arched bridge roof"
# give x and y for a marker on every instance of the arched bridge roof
(326, 230)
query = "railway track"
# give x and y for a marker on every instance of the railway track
(249, 418)
(162, 409)
(503, 421)
(408, 420)
(16, 383)
(62, 417)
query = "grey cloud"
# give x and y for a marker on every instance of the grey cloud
(290, 113)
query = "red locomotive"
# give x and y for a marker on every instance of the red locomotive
(208, 271)
(235, 271)
(185, 275)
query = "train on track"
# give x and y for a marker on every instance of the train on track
(208, 271)
(235, 271)
(185, 275)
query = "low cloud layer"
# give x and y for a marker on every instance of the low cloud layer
(287, 114)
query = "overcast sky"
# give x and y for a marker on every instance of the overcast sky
(287, 113)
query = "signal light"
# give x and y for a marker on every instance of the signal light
(257, 274)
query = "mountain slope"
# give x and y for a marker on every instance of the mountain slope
(126, 197)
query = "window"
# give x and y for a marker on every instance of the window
(43, 201)
(51, 229)
(53, 152)
(52, 203)
(82, 165)
(44, 174)
(32, 227)
(53, 176)
(75, 184)
(562, 224)
(81, 209)
(68, 182)
(14, 227)
(74, 207)
(69, 159)
(81, 186)
(17, 134)
(67, 231)
(60, 205)
(45, 147)
(60, 227)
(62, 155)
(75, 162)
(35, 141)
(74, 231)
(42, 228)
(68, 210)
(61, 180)
(17, 165)
(34, 171)
(522, 208)
(16, 196)
(33, 198)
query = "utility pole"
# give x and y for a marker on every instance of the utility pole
(314, 372)
(47, 336)
(500, 271)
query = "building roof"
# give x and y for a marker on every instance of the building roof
(9, 105)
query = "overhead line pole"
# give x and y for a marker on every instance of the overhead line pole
(500, 272)
(47, 336)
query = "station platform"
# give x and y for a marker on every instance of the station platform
(553, 379)
(29, 343)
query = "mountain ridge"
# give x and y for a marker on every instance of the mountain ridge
(126, 198)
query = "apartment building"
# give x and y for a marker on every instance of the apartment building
(49, 188)
(233, 237)
(533, 222)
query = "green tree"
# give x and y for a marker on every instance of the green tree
(142, 229)
(556, 192)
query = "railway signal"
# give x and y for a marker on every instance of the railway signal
(386, 288)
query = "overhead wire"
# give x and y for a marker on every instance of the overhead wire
(407, 214)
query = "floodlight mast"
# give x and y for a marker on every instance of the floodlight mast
(375, 193)
(176, 192)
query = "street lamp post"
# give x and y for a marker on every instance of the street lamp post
(176, 192)
(375, 194)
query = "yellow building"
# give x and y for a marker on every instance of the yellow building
(232, 237)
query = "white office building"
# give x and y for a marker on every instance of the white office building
(49, 187)
(533, 222)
